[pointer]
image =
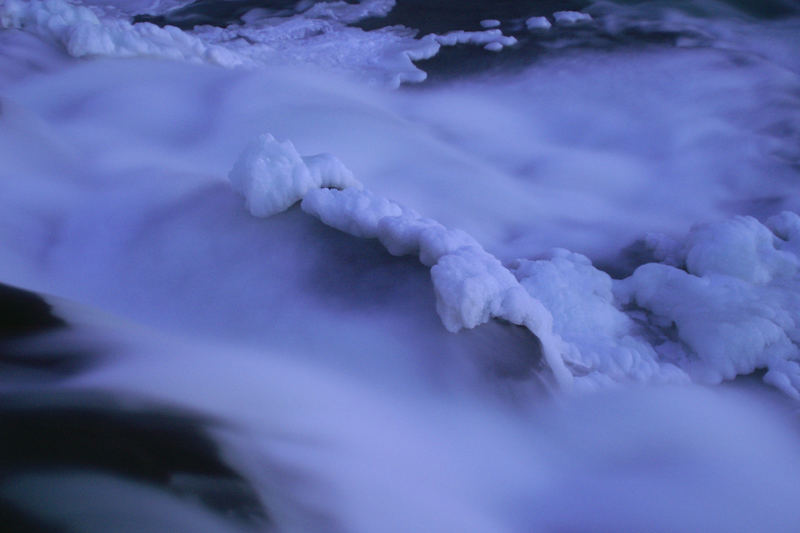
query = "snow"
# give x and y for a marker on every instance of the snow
(568, 18)
(489, 37)
(736, 307)
(538, 23)
(273, 176)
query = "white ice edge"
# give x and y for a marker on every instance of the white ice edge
(471, 285)
(319, 36)
(732, 309)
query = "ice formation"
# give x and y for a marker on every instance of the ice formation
(733, 310)
(272, 176)
(383, 56)
(471, 285)
(567, 18)
(475, 37)
(537, 23)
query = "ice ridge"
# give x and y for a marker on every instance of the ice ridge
(724, 303)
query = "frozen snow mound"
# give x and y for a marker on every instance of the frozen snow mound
(735, 308)
(272, 176)
(723, 303)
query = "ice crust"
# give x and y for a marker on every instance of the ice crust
(319, 36)
(471, 285)
(538, 23)
(735, 308)
(568, 18)
(272, 176)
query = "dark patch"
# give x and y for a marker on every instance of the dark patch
(24, 317)
(123, 436)
(358, 270)
(24, 313)
(628, 260)
(15, 521)
(222, 13)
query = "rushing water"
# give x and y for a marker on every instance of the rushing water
(558, 291)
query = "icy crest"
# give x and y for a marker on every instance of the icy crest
(471, 285)
(272, 176)
(736, 307)
(83, 32)
(568, 18)
(724, 303)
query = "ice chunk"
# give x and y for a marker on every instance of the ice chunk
(566, 18)
(273, 176)
(490, 23)
(538, 23)
(494, 47)
(735, 310)
(604, 347)
(742, 248)
(475, 37)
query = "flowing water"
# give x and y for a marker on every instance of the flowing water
(559, 289)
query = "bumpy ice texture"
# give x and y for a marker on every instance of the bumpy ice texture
(724, 303)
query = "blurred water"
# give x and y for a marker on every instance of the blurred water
(294, 378)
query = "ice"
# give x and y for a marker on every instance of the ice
(603, 345)
(471, 286)
(273, 176)
(568, 18)
(493, 36)
(733, 310)
(537, 23)
(490, 23)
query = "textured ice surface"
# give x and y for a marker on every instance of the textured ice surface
(537, 23)
(735, 309)
(272, 176)
(571, 17)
